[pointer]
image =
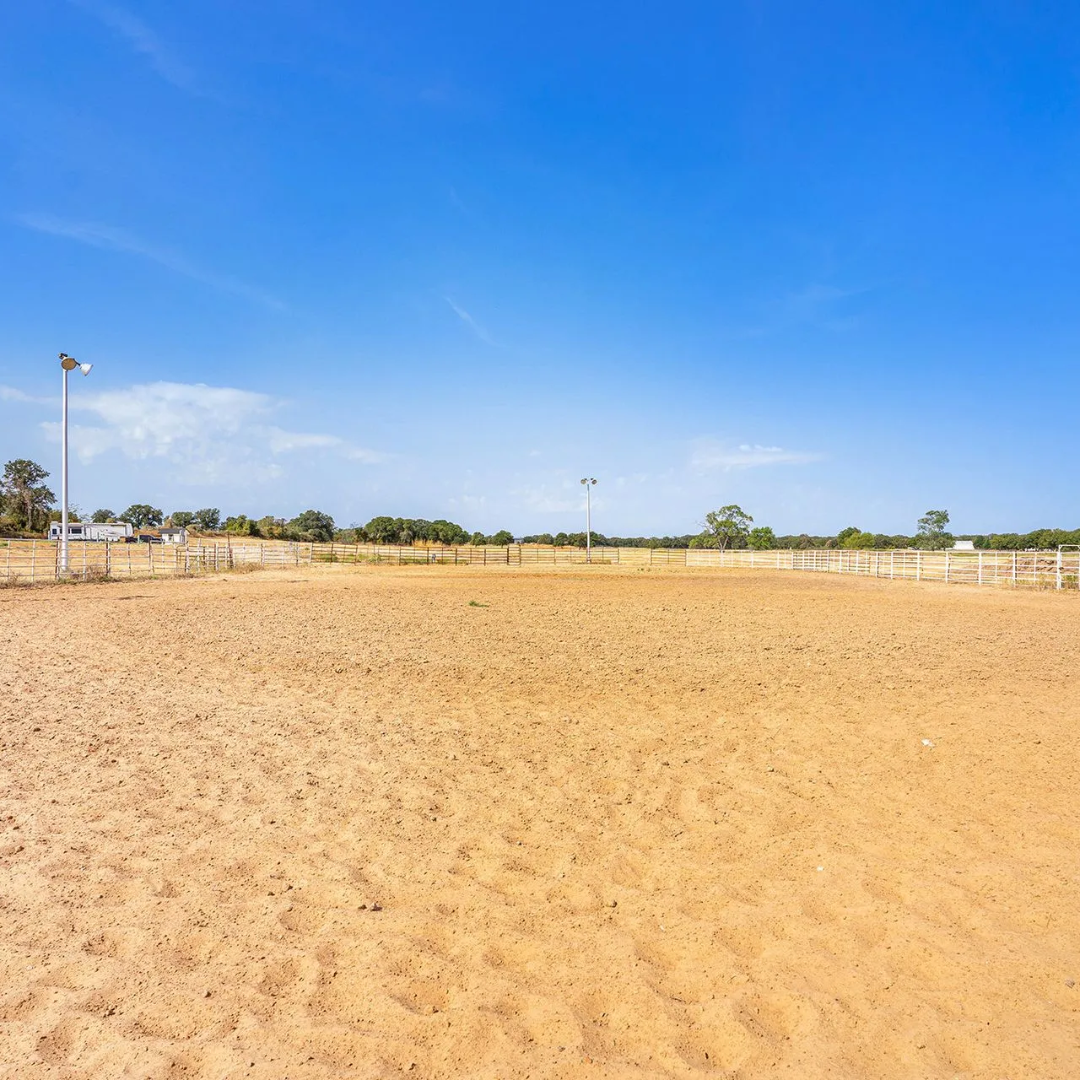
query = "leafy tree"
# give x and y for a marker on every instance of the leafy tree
(181, 519)
(241, 525)
(447, 532)
(207, 520)
(501, 538)
(727, 527)
(74, 514)
(932, 532)
(381, 530)
(102, 517)
(142, 515)
(762, 538)
(273, 528)
(27, 499)
(312, 525)
(477, 539)
(855, 538)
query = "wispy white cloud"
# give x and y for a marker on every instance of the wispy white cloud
(207, 434)
(110, 238)
(469, 502)
(555, 497)
(144, 41)
(711, 454)
(11, 393)
(457, 203)
(470, 322)
(820, 305)
(286, 442)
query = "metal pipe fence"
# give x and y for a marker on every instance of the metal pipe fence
(32, 562)
(1039, 569)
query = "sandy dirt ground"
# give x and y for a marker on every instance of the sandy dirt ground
(449, 822)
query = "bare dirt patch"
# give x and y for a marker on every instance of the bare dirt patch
(446, 822)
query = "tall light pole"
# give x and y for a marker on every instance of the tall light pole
(68, 363)
(588, 481)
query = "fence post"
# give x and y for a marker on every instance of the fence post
(946, 567)
(108, 557)
(980, 568)
(1058, 568)
(918, 565)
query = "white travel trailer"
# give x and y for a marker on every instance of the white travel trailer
(89, 530)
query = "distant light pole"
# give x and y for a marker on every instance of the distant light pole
(68, 363)
(588, 481)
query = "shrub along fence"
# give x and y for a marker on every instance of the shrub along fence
(33, 561)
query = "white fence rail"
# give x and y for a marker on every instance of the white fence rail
(1038, 569)
(31, 562)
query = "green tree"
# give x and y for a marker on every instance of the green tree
(762, 538)
(241, 525)
(208, 519)
(447, 532)
(382, 530)
(142, 515)
(181, 519)
(502, 538)
(27, 499)
(102, 517)
(932, 533)
(855, 538)
(862, 540)
(727, 527)
(74, 514)
(273, 528)
(312, 525)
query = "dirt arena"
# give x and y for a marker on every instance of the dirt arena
(450, 822)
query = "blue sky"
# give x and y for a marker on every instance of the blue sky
(443, 260)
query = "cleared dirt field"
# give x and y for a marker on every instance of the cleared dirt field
(346, 823)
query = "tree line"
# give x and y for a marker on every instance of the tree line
(28, 505)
